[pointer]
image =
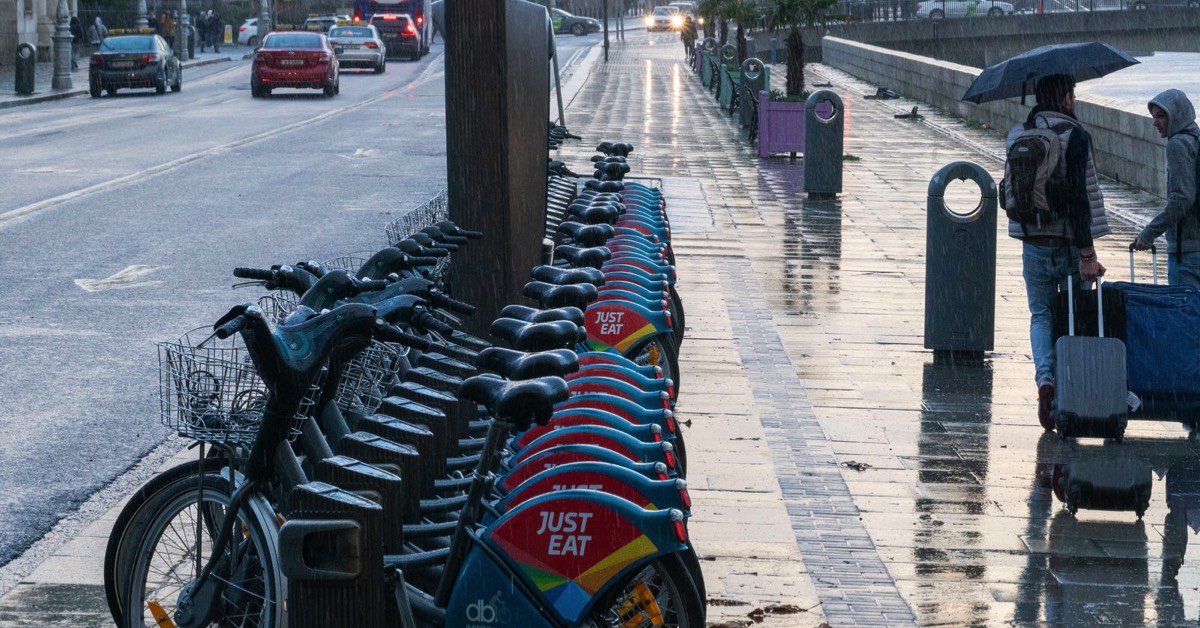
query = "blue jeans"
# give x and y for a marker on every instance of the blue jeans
(1045, 272)
(1185, 271)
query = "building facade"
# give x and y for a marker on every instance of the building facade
(29, 22)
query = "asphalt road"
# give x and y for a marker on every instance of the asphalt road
(121, 220)
(122, 217)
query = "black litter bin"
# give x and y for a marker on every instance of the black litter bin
(26, 63)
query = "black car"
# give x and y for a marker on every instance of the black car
(134, 61)
(399, 34)
(566, 23)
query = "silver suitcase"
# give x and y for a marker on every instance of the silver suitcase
(1090, 391)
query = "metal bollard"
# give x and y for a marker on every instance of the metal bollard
(756, 77)
(26, 64)
(960, 266)
(824, 124)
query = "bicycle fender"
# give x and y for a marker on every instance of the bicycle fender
(621, 407)
(647, 433)
(566, 454)
(599, 435)
(570, 544)
(618, 326)
(606, 478)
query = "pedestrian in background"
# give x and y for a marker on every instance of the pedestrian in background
(167, 24)
(1057, 249)
(1175, 119)
(216, 30)
(688, 34)
(202, 29)
(96, 34)
(76, 40)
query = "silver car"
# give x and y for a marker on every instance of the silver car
(938, 9)
(359, 46)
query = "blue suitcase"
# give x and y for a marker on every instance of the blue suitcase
(1162, 339)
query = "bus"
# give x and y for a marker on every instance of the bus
(418, 9)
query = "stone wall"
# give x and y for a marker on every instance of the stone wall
(1126, 145)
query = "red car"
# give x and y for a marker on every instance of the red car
(294, 59)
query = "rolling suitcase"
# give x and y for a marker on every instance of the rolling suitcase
(1090, 390)
(1120, 484)
(1162, 337)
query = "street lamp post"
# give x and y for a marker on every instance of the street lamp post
(141, 21)
(184, 30)
(264, 19)
(62, 48)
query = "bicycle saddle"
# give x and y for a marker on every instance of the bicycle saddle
(449, 227)
(517, 403)
(549, 295)
(537, 336)
(615, 148)
(534, 315)
(604, 186)
(593, 257)
(611, 170)
(595, 214)
(563, 276)
(587, 235)
(412, 247)
(518, 365)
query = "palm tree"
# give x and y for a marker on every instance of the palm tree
(796, 15)
(746, 14)
(716, 15)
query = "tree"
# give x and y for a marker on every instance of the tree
(716, 15)
(746, 14)
(795, 16)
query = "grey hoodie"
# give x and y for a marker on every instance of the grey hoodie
(1177, 219)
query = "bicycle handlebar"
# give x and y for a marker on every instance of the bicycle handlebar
(426, 320)
(229, 328)
(440, 299)
(390, 333)
(260, 274)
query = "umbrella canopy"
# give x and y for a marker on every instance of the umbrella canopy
(1018, 75)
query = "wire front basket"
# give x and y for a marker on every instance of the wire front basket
(210, 391)
(366, 378)
(432, 212)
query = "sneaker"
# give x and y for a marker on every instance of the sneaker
(1046, 406)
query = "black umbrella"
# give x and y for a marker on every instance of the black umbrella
(1018, 75)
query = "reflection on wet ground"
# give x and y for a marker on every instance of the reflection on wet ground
(947, 470)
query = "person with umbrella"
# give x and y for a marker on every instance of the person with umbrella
(1175, 119)
(1054, 250)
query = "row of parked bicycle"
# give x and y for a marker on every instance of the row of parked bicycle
(362, 461)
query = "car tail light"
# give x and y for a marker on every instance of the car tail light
(324, 58)
(372, 45)
(420, 19)
(242, 29)
(409, 30)
(148, 59)
(97, 60)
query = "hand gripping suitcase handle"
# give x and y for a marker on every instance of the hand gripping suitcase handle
(1153, 257)
(1099, 304)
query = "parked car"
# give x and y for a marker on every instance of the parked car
(359, 46)
(664, 19)
(1138, 5)
(576, 25)
(938, 9)
(399, 33)
(294, 59)
(248, 32)
(134, 61)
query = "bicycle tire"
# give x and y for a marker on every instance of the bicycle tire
(673, 601)
(161, 559)
(115, 572)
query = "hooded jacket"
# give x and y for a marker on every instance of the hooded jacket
(1177, 219)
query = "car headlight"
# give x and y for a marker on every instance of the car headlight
(649, 21)
(676, 21)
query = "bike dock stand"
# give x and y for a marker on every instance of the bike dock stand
(331, 550)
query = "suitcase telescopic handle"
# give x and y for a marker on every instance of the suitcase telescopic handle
(1153, 258)
(1071, 306)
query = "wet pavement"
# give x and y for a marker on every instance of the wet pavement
(840, 475)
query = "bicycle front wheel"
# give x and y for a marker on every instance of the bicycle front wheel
(173, 543)
(661, 594)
